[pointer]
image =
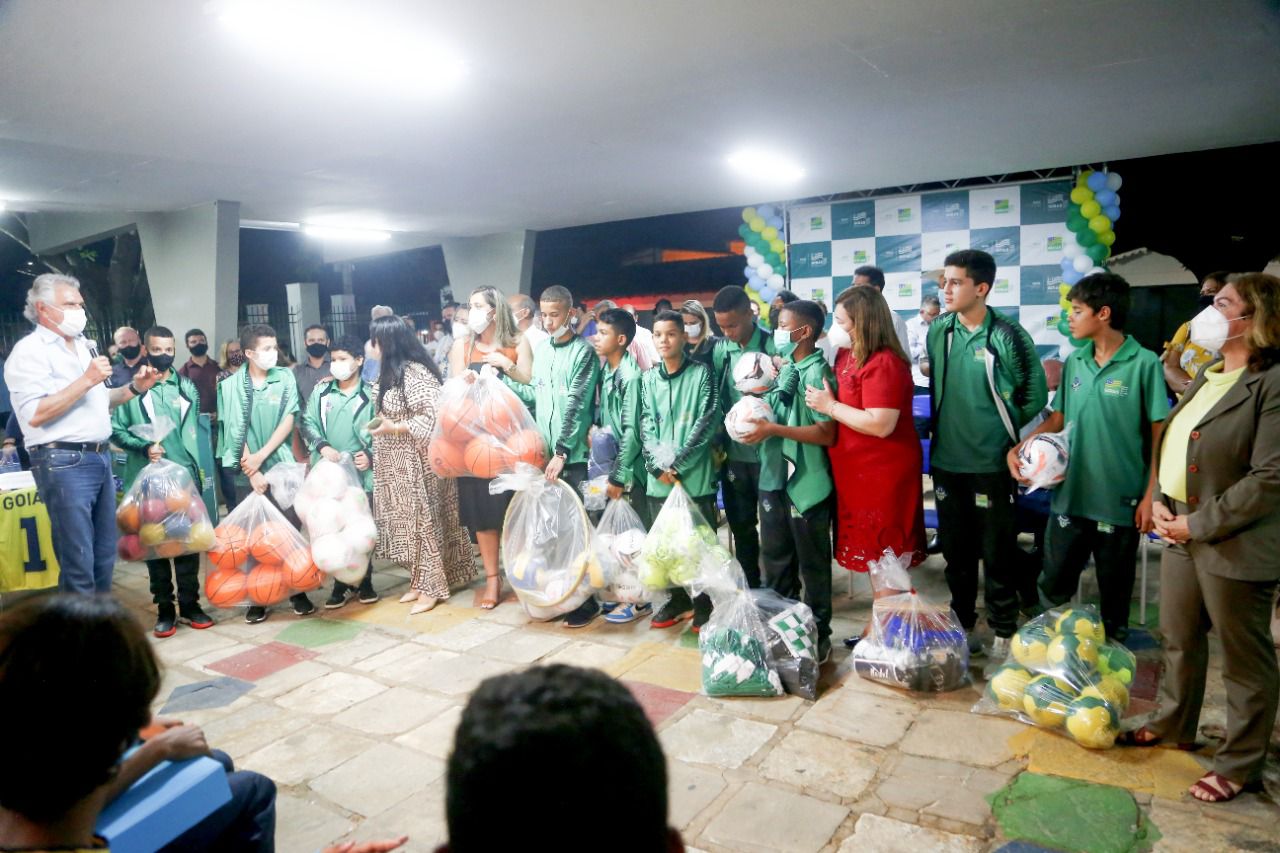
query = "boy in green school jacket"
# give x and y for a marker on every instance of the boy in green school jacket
(334, 423)
(679, 415)
(173, 397)
(257, 406)
(795, 475)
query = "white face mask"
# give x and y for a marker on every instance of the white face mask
(839, 337)
(693, 330)
(478, 321)
(342, 370)
(459, 330)
(266, 360)
(73, 322)
(558, 332)
(1210, 329)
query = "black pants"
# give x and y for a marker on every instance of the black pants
(741, 484)
(1069, 541)
(187, 570)
(976, 522)
(679, 597)
(227, 479)
(1031, 515)
(797, 554)
(246, 823)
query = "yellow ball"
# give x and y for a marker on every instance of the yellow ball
(151, 534)
(1082, 623)
(1030, 647)
(1092, 723)
(1109, 690)
(1007, 686)
(1071, 653)
(1046, 700)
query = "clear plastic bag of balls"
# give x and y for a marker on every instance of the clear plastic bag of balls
(1043, 459)
(482, 429)
(546, 543)
(792, 632)
(258, 558)
(595, 493)
(616, 544)
(682, 549)
(913, 644)
(604, 451)
(743, 412)
(736, 652)
(1063, 674)
(754, 373)
(163, 514)
(335, 513)
(285, 479)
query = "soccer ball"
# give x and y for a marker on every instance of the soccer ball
(1082, 623)
(1093, 722)
(743, 412)
(1008, 685)
(754, 373)
(1110, 691)
(1046, 699)
(1069, 653)
(1043, 460)
(1117, 662)
(1030, 646)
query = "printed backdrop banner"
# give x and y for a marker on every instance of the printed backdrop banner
(1023, 226)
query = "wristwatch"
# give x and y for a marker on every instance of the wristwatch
(134, 389)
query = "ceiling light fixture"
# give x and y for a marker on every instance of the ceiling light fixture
(343, 42)
(765, 166)
(346, 235)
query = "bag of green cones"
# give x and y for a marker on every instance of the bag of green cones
(1062, 673)
(737, 659)
(681, 546)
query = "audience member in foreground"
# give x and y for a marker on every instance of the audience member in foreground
(519, 726)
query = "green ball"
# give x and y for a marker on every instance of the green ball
(1082, 623)
(1046, 700)
(1115, 661)
(1093, 722)
(1008, 685)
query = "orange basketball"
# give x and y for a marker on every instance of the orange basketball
(457, 420)
(268, 585)
(231, 546)
(272, 542)
(171, 548)
(487, 459)
(127, 517)
(504, 416)
(528, 447)
(225, 587)
(446, 458)
(301, 573)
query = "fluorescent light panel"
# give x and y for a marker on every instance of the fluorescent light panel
(345, 235)
(765, 166)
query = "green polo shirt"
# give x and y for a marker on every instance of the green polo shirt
(971, 438)
(338, 418)
(724, 356)
(1110, 410)
(810, 482)
(277, 397)
(620, 393)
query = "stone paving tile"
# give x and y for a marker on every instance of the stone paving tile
(204, 663)
(202, 695)
(394, 654)
(186, 645)
(392, 712)
(588, 654)
(304, 826)
(508, 613)
(1165, 773)
(421, 817)
(465, 636)
(306, 754)
(659, 703)
(702, 737)
(690, 790)
(377, 779)
(941, 788)
(435, 737)
(392, 613)
(961, 736)
(1068, 814)
(289, 679)
(778, 710)
(860, 717)
(251, 728)
(262, 660)
(520, 646)
(822, 764)
(1187, 830)
(365, 644)
(885, 835)
(316, 632)
(763, 818)
(673, 668)
(331, 693)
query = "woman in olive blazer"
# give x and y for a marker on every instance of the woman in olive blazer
(1219, 514)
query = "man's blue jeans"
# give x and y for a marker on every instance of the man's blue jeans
(80, 496)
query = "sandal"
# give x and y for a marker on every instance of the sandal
(1213, 787)
(489, 601)
(1144, 737)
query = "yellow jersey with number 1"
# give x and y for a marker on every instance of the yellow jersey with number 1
(26, 543)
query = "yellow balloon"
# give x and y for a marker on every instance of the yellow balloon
(779, 247)
(1064, 289)
(1064, 303)
(769, 233)
(1090, 209)
(757, 224)
(1083, 180)
(748, 214)
(1107, 238)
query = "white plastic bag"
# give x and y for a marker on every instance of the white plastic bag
(617, 543)
(595, 493)
(335, 513)
(163, 514)
(259, 558)
(735, 649)
(285, 479)
(483, 430)
(792, 631)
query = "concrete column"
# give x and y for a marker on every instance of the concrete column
(304, 310)
(504, 261)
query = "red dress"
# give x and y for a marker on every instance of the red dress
(879, 494)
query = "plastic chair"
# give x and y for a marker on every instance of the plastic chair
(925, 445)
(921, 406)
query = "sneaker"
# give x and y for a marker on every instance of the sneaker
(255, 614)
(975, 642)
(998, 651)
(608, 606)
(851, 642)
(166, 621)
(620, 614)
(192, 615)
(302, 605)
(367, 594)
(584, 615)
(824, 651)
(338, 598)
(672, 613)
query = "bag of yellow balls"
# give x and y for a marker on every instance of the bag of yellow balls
(1063, 674)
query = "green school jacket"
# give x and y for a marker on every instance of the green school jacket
(560, 394)
(724, 355)
(277, 398)
(680, 410)
(336, 419)
(620, 407)
(177, 399)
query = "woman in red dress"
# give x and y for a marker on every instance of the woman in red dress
(876, 460)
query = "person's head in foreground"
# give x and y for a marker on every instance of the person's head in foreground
(527, 762)
(77, 675)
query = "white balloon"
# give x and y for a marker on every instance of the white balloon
(764, 270)
(775, 281)
(750, 251)
(755, 262)
(1082, 263)
(1114, 182)
(1072, 249)
(1093, 270)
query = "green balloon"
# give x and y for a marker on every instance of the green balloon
(1086, 237)
(1076, 222)
(744, 231)
(1073, 209)
(1075, 342)
(1064, 328)
(1098, 252)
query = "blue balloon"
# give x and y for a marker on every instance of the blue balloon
(1072, 277)
(776, 222)
(747, 272)
(1106, 198)
(765, 211)
(755, 281)
(767, 293)
(1112, 211)
(1098, 181)
(1067, 264)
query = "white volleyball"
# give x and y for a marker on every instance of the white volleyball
(744, 411)
(754, 373)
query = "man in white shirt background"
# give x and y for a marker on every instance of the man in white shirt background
(56, 382)
(525, 310)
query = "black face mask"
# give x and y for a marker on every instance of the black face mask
(1206, 299)
(317, 350)
(161, 362)
(130, 353)
(199, 349)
